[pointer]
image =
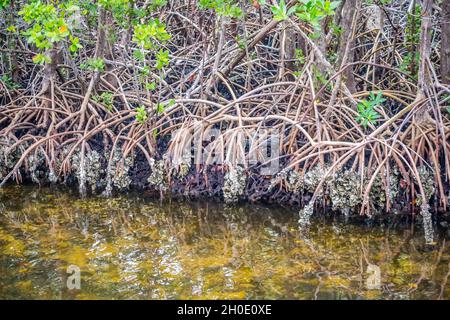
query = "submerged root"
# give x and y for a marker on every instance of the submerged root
(305, 215)
(427, 223)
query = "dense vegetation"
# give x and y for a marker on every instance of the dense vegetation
(93, 93)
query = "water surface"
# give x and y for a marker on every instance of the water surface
(129, 247)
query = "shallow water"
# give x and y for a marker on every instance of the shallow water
(130, 248)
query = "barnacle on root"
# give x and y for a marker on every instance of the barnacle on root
(35, 162)
(234, 184)
(90, 172)
(345, 191)
(183, 165)
(293, 180)
(305, 214)
(428, 182)
(8, 158)
(427, 223)
(117, 173)
(315, 176)
(158, 176)
(381, 188)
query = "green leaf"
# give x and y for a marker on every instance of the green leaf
(141, 115)
(41, 59)
(366, 112)
(281, 13)
(162, 59)
(155, 133)
(160, 108)
(150, 86)
(94, 64)
(4, 4)
(139, 55)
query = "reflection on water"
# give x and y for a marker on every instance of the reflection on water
(129, 248)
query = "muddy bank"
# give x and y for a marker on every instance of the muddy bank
(101, 172)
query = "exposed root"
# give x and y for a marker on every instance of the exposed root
(355, 121)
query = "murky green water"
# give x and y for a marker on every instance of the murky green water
(129, 248)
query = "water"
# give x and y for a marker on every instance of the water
(130, 248)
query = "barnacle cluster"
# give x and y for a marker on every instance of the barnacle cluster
(90, 171)
(234, 184)
(118, 171)
(377, 193)
(427, 178)
(393, 185)
(280, 176)
(345, 191)
(294, 181)
(158, 176)
(35, 161)
(313, 177)
(52, 177)
(108, 189)
(60, 158)
(305, 214)
(427, 222)
(7, 159)
(183, 165)
(379, 188)
(292, 178)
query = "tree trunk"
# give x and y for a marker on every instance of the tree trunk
(346, 43)
(423, 117)
(321, 44)
(287, 52)
(15, 69)
(425, 48)
(99, 54)
(49, 70)
(445, 42)
(49, 76)
(109, 54)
